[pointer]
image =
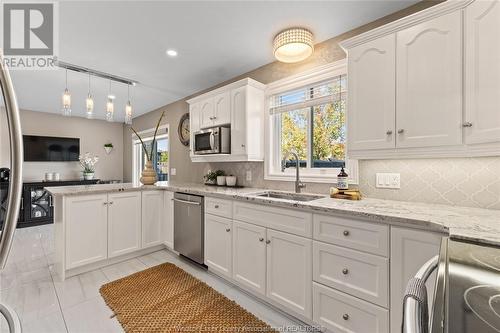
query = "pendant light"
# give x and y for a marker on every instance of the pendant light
(128, 108)
(110, 107)
(89, 104)
(66, 99)
(293, 45)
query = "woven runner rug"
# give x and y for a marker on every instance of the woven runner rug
(165, 298)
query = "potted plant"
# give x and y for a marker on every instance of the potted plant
(108, 147)
(88, 162)
(149, 176)
(211, 176)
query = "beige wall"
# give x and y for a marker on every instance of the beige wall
(93, 135)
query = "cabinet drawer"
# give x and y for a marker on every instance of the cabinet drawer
(287, 220)
(339, 312)
(359, 274)
(358, 235)
(219, 207)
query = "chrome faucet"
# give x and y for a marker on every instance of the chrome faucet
(298, 184)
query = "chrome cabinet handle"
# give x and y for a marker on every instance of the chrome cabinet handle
(268, 241)
(187, 202)
(216, 206)
(228, 230)
(16, 162)
(467, 124)
(261, 239)
(401, 131)
(345, 316)
(346, 233)
(104, 203)
(242, 145)
(345, 271)
(111, 202)
(389, 132)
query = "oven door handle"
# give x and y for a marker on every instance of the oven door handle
(16, 160)
(416, 316)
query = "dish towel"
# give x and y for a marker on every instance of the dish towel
(417, 290)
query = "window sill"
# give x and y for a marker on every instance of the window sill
(307, 178)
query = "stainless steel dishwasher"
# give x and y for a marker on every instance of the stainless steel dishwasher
(189, 228)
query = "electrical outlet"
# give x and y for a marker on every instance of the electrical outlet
(173, 171)
(388, 180)
(249, 176)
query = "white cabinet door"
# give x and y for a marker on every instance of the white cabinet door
(410, 249)
(222, 109)
(239, 121)
(124, 223)
(372, 94)
(152, 218)
(289, 271)
(429, 83)
(482, 70)
(168, 220)
(218, 244)
(86, 229)
(206, 113)
(249, 256)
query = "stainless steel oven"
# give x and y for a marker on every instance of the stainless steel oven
(215, 140)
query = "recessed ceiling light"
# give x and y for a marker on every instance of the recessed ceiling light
(172, 53)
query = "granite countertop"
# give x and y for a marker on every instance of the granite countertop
(471, 224)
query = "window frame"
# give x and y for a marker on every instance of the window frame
(272, 162)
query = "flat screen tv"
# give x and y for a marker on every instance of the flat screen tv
(50, 149)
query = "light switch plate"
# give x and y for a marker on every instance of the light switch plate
(173, 171)
(388, 180)
(249, 176)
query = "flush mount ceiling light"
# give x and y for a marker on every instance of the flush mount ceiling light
(293, 45)
(172, 53)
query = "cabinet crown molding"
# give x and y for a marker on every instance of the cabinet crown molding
(405, 22)
(240, 83)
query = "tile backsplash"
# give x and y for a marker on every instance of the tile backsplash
(469, 182)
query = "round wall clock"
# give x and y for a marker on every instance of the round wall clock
(183, 129)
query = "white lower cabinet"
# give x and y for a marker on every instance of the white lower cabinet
(249, 256)
(339, 312)
(86, 229)
(410, 249)
(168, 219)
(360, 274)
(289, 271)
(152, 218)
(124, 223)
(218, 244)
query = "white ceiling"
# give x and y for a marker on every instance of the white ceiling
(215, 40)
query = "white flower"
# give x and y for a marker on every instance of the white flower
(88, 162)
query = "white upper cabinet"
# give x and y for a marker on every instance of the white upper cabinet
(482, 72)
(426, 86)
(372, 94)
(240, 106)
(429, 83)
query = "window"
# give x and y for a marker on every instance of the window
(309, 120)
(160, 154)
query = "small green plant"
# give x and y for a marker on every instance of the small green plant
(211, 176)
(108, 145)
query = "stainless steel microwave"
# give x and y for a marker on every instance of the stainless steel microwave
(215, 140)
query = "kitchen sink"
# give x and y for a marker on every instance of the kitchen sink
(289, 196)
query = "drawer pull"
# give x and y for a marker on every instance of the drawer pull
(346, 233)
(216, 206)
(345, 271)
(228, 230)
(345, 316)
(261, 239)
(268, 241)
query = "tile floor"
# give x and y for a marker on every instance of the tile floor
(45, 304)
